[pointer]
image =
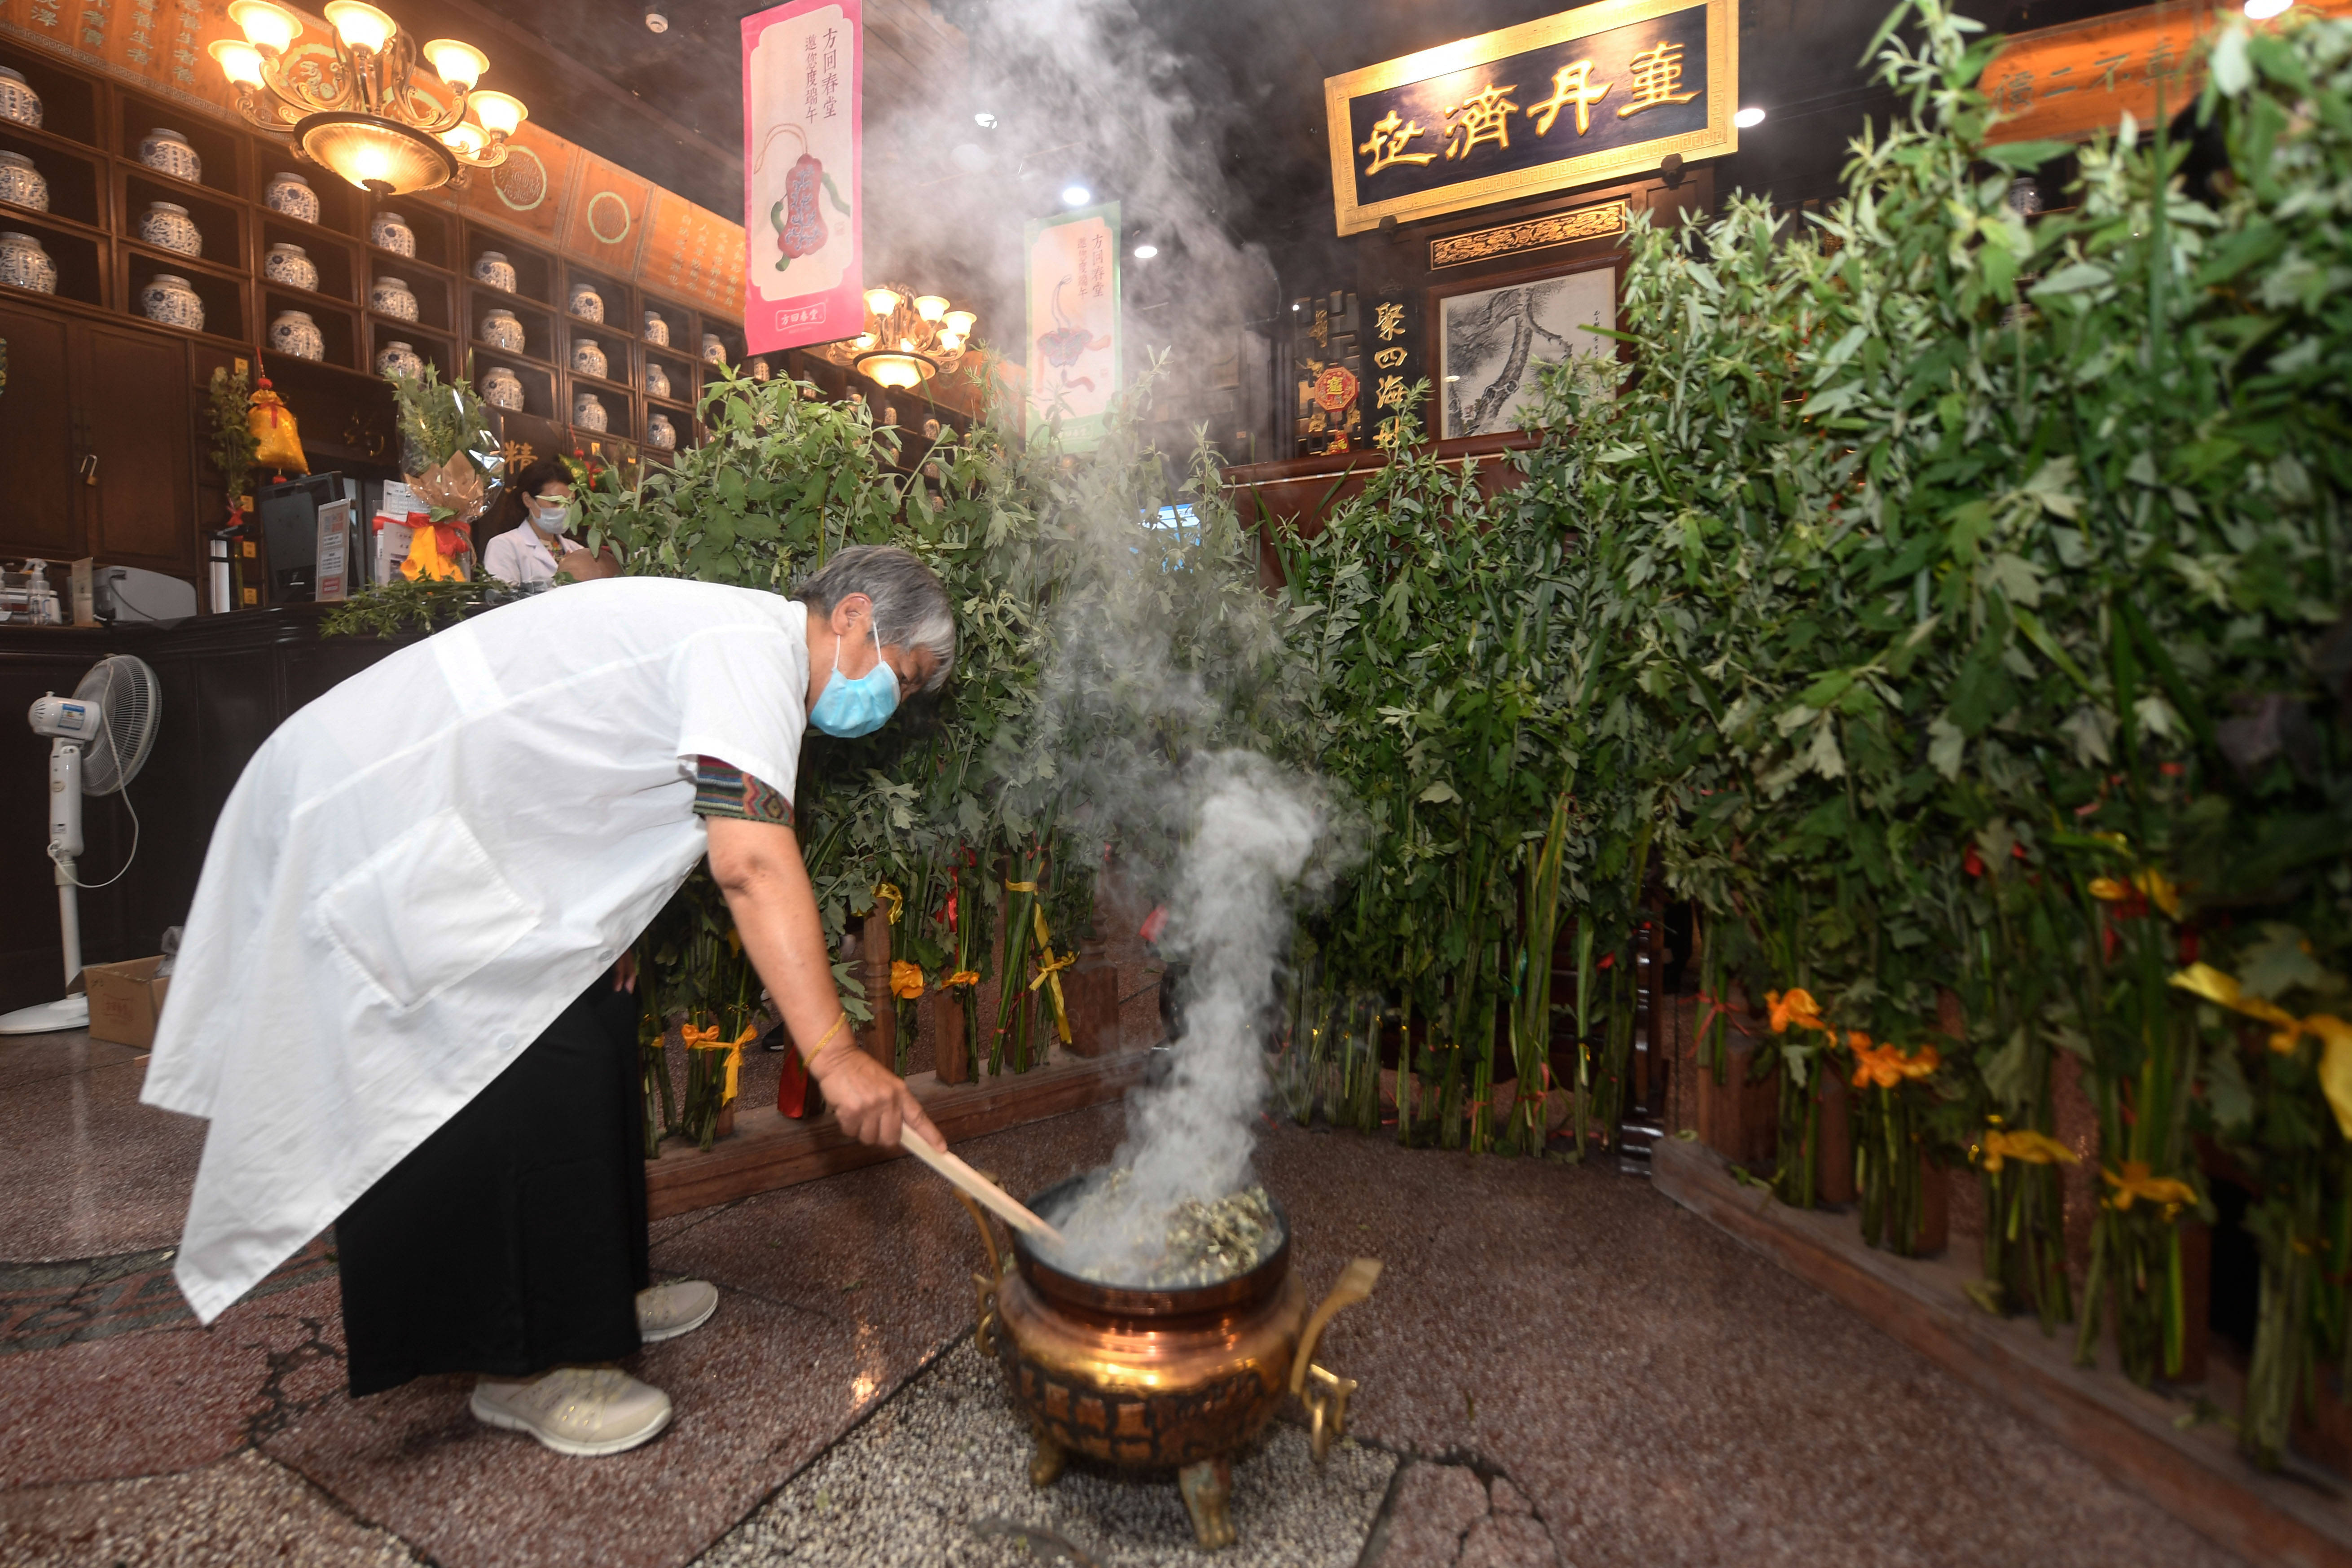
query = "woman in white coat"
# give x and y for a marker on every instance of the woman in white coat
(400, 1002)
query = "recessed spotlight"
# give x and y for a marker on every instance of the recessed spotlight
(1146, 251)
(1748, 118)
(656, 23)
(1076, 195)
(2263, 10)
(985, 119)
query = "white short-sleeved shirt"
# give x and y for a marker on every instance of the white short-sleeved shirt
(418, 871)
(521, 556)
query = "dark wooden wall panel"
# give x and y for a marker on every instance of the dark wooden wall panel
(227, 682)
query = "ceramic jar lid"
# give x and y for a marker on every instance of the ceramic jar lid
(293, 315)
(494, 256)
(14, 160)
(160, 133)
(388, 282)
(498, 315)
(13, 236)
(286, 247)
(167, 207)
(288, 177)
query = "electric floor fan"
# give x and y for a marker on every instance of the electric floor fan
(98, 740)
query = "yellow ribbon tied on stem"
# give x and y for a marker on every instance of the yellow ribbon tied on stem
(2334, 1035)
(906, 979)
(2135, 1182)
(2023, 1146)
(962, 977)
(702, 1039)
(2152, 883)
(889, 893)
(1049, 972)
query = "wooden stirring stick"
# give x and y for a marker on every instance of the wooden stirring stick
(995, 1199)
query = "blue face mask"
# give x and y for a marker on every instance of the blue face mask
(853, 708)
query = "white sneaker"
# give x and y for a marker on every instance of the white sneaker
(579, 1410)
(677, 1307)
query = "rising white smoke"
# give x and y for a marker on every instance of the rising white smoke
(1254, 828)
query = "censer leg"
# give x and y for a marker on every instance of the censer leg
(1207, 1487)
(1046, 1464)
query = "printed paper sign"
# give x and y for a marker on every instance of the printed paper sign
(803, 149)
(334, 552)
(1074, 320)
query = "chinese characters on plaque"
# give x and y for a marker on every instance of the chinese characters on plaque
(1606, 90)
(1074, 322)
(2062, 83)
(1397, 364)
(803, 148)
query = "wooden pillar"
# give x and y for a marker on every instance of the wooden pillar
(880, 1038)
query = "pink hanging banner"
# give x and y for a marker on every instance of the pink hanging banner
(803, 154)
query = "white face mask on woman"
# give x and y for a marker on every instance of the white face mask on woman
(549, 513)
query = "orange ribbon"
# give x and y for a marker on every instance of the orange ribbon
(1797, 1007)
(906, 979)
(1886, 1064)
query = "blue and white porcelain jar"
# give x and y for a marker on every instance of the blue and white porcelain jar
(290, 265)
(397, 358)
(501, 331)
(588, 357)
(657, 330)
(21, 183)
(390, 231)
(25, 265)
(167, 227)
(167, 152)
(294, 333)
(585, 302)
(657, 380)
(18, 101)
(713, 351)
(391, 296)
(660, 434)
(760, 369)
(502, 388)
(290, 194)
(493, 268)
(169, 301)
(588, 411)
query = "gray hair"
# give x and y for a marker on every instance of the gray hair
(912, 609)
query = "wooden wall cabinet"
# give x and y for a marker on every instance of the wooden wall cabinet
(97, 442)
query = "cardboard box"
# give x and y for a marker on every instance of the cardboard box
(125, 1000)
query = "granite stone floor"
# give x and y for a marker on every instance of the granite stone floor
(1559, 1367)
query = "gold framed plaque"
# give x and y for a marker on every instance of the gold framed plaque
(1596, 93)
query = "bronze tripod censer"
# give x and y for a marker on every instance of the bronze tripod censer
(1160, 1379)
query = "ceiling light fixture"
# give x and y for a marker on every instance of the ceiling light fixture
(1748, 118)
(1146, 251)
(2263, 10)
(656, 23)
(1076, 195)
(985, 119)
(908, 337)
(363, 115)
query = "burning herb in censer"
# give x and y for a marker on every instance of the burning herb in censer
(1202, 1243)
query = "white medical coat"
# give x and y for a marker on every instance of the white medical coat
(421, 869)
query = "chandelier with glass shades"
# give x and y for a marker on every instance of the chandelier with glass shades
(908, 337)
(359, 110)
